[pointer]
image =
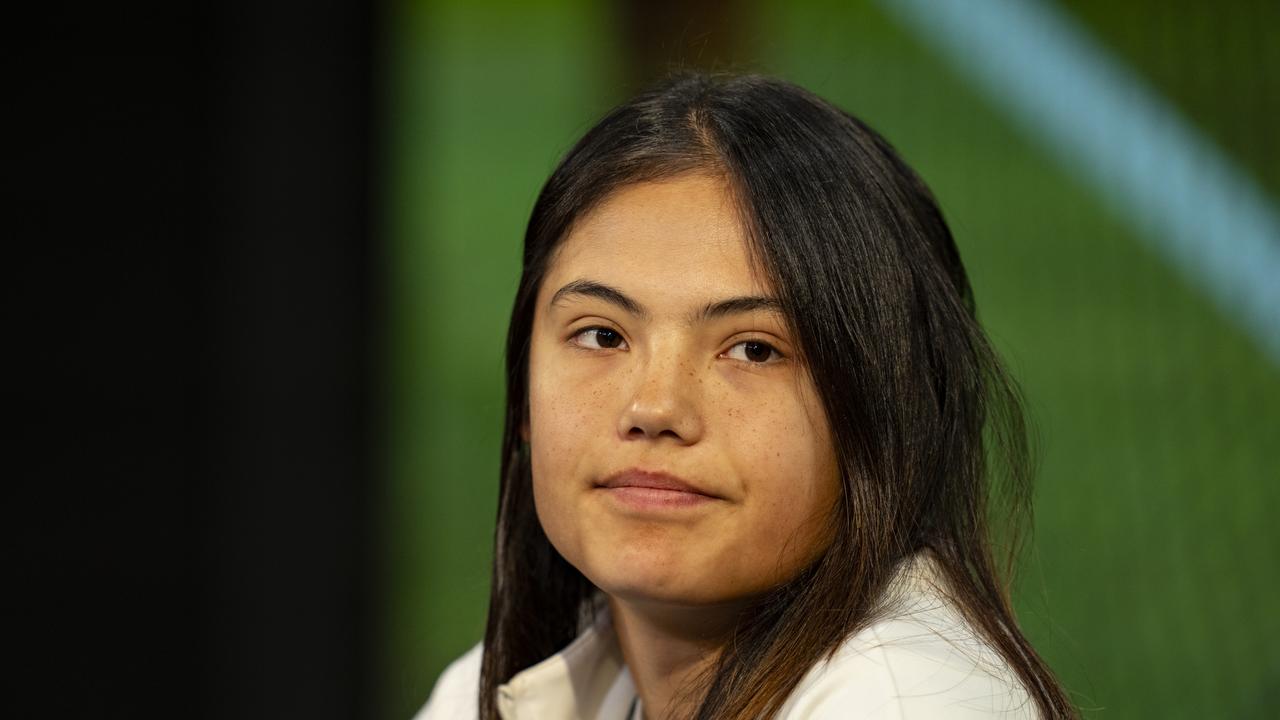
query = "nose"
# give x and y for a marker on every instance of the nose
(663, 401)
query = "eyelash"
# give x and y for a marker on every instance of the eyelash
(773, 350)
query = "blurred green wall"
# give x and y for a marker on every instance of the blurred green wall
(1152, 585)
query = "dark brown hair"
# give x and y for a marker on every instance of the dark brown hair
(927, 426)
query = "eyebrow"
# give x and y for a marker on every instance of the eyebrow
(710, 311)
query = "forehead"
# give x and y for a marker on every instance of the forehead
(676, 239)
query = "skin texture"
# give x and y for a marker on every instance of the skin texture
(698, 399)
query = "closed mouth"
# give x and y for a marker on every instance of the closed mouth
(657, 480)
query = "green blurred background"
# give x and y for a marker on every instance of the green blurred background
(1152, 583)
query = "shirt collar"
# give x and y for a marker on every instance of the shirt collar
(587, 679)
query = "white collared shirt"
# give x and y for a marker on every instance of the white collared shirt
(922, 661)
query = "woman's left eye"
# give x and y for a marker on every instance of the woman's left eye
(755, 352)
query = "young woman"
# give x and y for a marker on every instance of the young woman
(753, 433)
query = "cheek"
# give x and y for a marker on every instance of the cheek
(784, 452)
(566, 413)
(551, 452)
(568, 432)
(555, 428)
(773, 432)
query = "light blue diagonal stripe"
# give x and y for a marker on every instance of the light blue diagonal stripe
(1102, 122)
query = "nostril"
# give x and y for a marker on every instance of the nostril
(639, 432)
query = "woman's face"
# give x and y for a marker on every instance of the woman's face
(656, 350)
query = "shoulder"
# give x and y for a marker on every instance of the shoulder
(923, 661)
(456, 693)
(882, 676)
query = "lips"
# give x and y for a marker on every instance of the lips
(657, 480)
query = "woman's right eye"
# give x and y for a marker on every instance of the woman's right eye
(598, 338)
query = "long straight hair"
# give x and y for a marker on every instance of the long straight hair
(927, 426)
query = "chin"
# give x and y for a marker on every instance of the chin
(633, 580)
(657, 586)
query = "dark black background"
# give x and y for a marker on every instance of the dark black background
(190, 388)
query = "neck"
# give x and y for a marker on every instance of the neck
(666, 647)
